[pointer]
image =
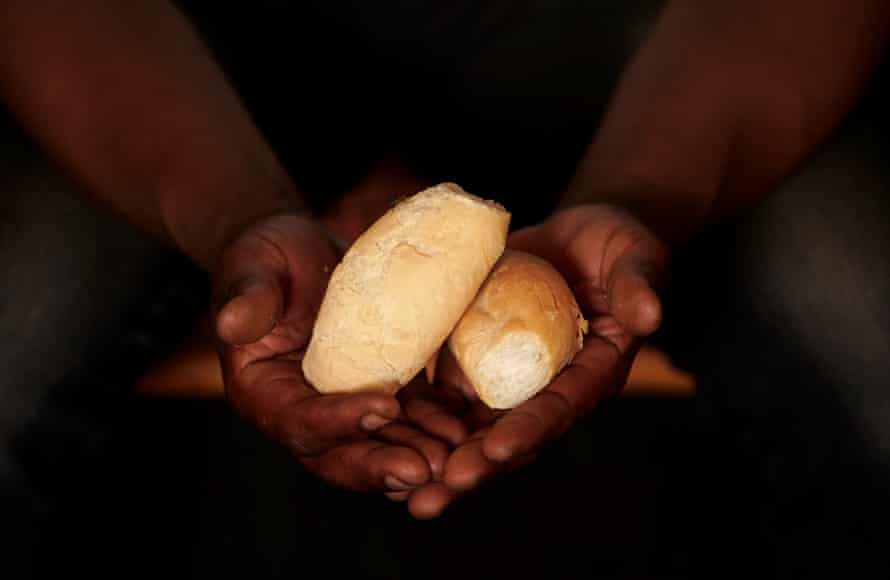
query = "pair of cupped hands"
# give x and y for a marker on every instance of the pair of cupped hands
(430, 444)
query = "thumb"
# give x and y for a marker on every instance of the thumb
(252, 308)
(632, 301)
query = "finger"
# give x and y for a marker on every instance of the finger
(275, 270)
(632, 300)
(529, 426)
(429, 501)
(253, 308)
(274, 395)
(607, 328)
(468, 465)
(468, 470)
(436, 420)
(371, 466)
(433, 450)
(598, 370)
(560, 245)
(610, 254)
(398, 496)
(321, 422)
(521, 462)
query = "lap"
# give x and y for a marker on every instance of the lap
(86, 303)
(783, 315)
(807, 273)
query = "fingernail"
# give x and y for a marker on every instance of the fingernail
(373, 422)
(398, 496)
(396, 484)
(498, 454)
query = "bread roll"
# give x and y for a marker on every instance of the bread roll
(522, 329)
(401, 288)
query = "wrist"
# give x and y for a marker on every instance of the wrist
(672, 209)
(201, 220)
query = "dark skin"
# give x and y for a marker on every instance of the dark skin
(741, 100)
(128, 100)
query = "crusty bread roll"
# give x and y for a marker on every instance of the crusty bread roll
(401, 288)
(522, 329)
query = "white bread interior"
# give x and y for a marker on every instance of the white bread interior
(521, 330)
(401, 288)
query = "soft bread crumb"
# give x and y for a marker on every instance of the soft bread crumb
(513, 371)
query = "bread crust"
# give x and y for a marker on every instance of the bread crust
(401, 288)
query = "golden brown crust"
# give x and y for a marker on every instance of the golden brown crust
(401, 288)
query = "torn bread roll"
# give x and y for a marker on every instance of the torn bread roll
(522, 329)
(401, 288)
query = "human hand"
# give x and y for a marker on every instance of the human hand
(613, 263)
(268, 287)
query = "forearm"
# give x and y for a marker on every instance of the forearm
(125, 96)
(723, 101)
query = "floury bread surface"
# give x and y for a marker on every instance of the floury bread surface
(401, 289)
